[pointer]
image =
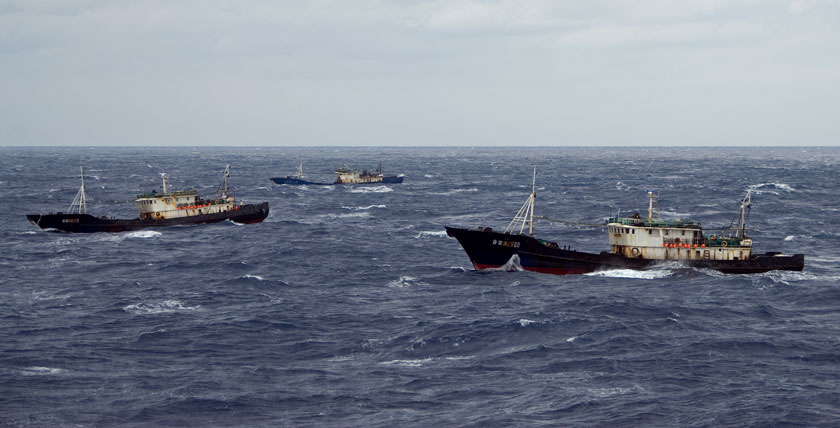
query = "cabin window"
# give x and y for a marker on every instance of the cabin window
(666, 231)
(683, 233)
(650, 232)
(634, 231)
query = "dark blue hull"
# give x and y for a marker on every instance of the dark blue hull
(297, 181)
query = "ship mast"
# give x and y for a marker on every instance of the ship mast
(742, 221)
(526, 213)
(163, 178)
(651, 204)
(80, 200)
(225, 176)
(300, 170)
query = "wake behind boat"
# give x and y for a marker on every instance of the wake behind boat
(635, 243)
(169, 208)
(343, 176)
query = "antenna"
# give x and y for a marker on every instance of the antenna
(526, 213)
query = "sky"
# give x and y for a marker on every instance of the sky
(419, 73)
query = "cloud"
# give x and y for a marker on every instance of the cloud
(206, 70)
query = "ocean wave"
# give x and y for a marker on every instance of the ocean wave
(407, 363)
(345, 215)
(41, 371)
(405, 281)
(525, 322)
(454, 191)
(633, 274)
(440, 233)
(166, 306)
(249, 276)
(512, 265)
(365, 207)
(787, 277)
(143, 234)
(770, 188)
(371, 189)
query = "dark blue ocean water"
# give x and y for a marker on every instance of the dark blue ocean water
(349, 306)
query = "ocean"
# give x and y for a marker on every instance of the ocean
(350, 307)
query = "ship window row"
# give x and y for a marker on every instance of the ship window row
(623, 230)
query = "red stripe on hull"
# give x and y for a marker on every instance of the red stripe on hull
(553, 271)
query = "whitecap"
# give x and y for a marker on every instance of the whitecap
(407, 363)
(463, 357)
(340, 359)
(405, 281)
(512, 265)
(364, 208)
(346, 215)
(524, 323)
(440, 233)
(789, 237)
(249, 276)
(454, 191)
(143, 234)
(428, 176)
(630, 273)
(166, 306)
(371, 189)
(771, 188)
(609, 392)
(571, 339)
(41, 371)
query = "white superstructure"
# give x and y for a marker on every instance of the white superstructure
(183, 203)
(657, 239)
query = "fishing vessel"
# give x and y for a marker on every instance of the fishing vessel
(296, 179)
(635, 243)
(343, 176)
(156, 209)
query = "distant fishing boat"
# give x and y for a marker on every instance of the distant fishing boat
(168, 208)
(635, 243)
(343, 176)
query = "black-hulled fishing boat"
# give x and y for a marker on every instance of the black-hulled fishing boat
(343, 176)
(635, 243)
(168, 208)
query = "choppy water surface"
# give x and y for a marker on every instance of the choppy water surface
(350, 307)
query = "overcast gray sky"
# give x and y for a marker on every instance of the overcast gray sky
(396, 73)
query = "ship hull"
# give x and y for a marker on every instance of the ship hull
(297, 181)
(395, 179)
(487, 249)
(86, 223)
